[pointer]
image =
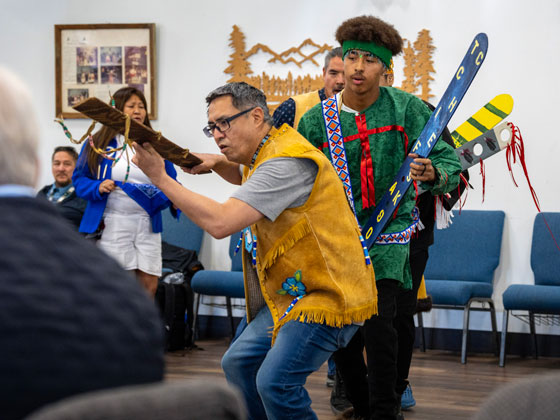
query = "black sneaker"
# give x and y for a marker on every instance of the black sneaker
(339, 402)
(400, 415)
(330, 381)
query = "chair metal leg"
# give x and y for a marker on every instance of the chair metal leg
(502, 362)
(195, 319)
(533, 334)
(495, 337)
(422, 335)
(466, 314)
(230, 316)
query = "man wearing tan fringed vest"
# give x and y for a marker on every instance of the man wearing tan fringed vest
(308, 281)
(291, 110)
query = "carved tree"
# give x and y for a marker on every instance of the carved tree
(424, 66)
(417, 69)
(238, 67)
(409, 83)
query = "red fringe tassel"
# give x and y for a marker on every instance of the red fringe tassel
(464, 201)
(516, 150)
(483, 174)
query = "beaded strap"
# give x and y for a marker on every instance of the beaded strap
(251, 245)
(403, 237)
(338, 154)
(261, 144)
(291, 307)
(69, 135)
(336, 145)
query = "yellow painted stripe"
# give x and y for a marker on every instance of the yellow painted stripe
(468, 132)
(487, 119)
(503, 102)
(484, 118)
(457, 139)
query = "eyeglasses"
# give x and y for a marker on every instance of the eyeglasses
(353, 55)
(223, 125)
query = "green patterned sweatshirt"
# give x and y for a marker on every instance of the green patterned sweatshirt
(395, 113)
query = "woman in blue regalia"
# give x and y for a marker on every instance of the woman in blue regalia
(123, 204)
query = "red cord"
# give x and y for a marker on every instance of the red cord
(550, 230)
(517, 149)
(483, 178)
(462, 203)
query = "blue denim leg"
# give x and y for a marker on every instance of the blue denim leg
(274, 378)
(240, 327)
(242, 361)
(299, 350)
(331, 366)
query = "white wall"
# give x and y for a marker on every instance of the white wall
(192, 52)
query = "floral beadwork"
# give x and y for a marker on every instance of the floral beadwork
(293, 285)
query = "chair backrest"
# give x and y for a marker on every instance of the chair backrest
(533, 397)
(545, 255)
(182, 232)
(177, 400)
(469, 249)
(236, 259)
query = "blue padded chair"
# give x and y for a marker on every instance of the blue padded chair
(222, 283)
(540, 301)
(182, 232)
(461, 267)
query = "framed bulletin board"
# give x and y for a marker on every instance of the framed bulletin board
(98, 59)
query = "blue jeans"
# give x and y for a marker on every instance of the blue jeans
(271, 379)
(240, 328)
(331, 366)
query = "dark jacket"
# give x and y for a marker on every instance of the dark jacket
(72, 207)
(72, 320)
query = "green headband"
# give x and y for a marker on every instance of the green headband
(380, 51)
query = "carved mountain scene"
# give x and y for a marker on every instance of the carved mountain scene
(418, 66)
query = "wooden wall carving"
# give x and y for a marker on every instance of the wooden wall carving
(418, 67)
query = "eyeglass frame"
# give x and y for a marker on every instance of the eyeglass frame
(209, 129)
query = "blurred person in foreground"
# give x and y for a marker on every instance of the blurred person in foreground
(72, 320)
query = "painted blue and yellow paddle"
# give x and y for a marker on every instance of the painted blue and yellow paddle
(444, 111)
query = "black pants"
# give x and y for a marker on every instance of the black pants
(380, 339)
(404, 321)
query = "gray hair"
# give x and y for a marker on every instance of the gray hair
(335, 52)
(243, 96)
(18, 132)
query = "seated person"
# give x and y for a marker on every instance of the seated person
(62, 192)
(72, 319)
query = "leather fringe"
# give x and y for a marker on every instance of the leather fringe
(332, 319)
(297, 232)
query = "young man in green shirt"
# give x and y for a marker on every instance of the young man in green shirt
(379, 126)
